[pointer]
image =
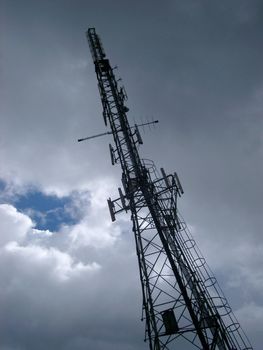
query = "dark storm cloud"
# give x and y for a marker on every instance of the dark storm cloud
(197, 67)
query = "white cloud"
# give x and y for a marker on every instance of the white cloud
(95, 228)
(94, 232)
(58, 265)
(15, 229)
(48, 294)
(14, 225)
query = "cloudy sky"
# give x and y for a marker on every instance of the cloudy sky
(68, 276)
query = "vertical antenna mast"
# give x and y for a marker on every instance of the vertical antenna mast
(182, 302)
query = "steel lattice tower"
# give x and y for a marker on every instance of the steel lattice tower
(181, 297)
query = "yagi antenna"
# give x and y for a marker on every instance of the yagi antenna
(110, 132)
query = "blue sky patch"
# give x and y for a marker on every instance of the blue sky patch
(49, 212)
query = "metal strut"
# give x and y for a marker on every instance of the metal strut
(182, 301)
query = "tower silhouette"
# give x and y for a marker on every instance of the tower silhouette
(182, 301)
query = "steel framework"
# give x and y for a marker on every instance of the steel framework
(181, 297)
